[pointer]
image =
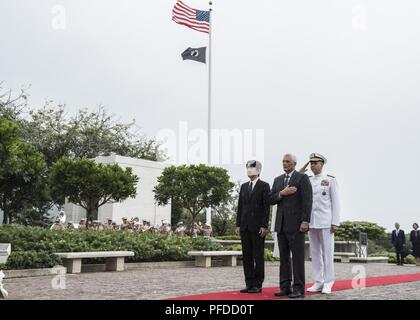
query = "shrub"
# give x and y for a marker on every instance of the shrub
(410, 260)
(32, 260)
(231, 237)
(269, 237)
(374, 247)
(407, 260)
(33, 247)
(235, 247)
(202, 244)
(268, 254)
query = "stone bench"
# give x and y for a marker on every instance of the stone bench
(369, 260)
(203, 258)
(114, 259)
(344, 256)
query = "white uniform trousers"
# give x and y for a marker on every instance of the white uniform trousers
(276, 251)
(322, 254)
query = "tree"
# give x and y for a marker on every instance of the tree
(193, 187)
(22, 172)
(86, 135)
(350, 230)
(176, 212)
(91, 185)
(55, 135)
(224, 215)
(37, 213)
(12, 107)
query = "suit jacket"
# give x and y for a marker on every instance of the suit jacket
(415, 240)
(253, 209)
(399, 240)
(292, 210)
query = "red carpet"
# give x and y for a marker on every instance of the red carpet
(268, 293)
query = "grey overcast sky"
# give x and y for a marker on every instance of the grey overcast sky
(336, 77)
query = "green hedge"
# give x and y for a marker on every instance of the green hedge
(407, 260)
(231, 237)
(32, 247)
(268, 254)
(31, 260)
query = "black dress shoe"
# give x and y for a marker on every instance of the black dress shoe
(254, 290)
(244, 290)
(282, 293)
(296, 294)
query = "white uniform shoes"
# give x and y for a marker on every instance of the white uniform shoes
(315, 288)
(3, 292)
(326, 289)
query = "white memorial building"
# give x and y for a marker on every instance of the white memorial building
(142, 206)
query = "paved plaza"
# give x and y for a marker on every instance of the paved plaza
(162, 283)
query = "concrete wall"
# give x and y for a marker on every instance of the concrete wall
(143, 206)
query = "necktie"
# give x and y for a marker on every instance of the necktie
(286, 180)
(250, 187)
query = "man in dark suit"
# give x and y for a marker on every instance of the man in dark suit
(398, 241)
(252, 225)
(292, 193)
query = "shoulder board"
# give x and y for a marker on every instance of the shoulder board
(328, 175)
(310, 176)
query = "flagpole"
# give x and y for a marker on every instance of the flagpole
(208, 210)
(209, 93)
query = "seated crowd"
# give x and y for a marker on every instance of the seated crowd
(134, 225)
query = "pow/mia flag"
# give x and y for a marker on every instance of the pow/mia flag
(196, 54)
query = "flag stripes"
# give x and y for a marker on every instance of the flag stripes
(192, 18)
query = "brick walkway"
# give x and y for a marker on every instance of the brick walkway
(172, 282)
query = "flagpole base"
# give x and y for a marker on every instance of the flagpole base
(208, 216)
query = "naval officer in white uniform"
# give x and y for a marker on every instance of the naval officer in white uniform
(325, 218)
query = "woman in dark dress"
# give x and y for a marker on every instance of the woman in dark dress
(415, 241)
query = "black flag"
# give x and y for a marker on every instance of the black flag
(196, 54)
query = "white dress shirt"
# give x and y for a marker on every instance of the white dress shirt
(253, 182)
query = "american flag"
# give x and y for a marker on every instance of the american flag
(192, 18)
